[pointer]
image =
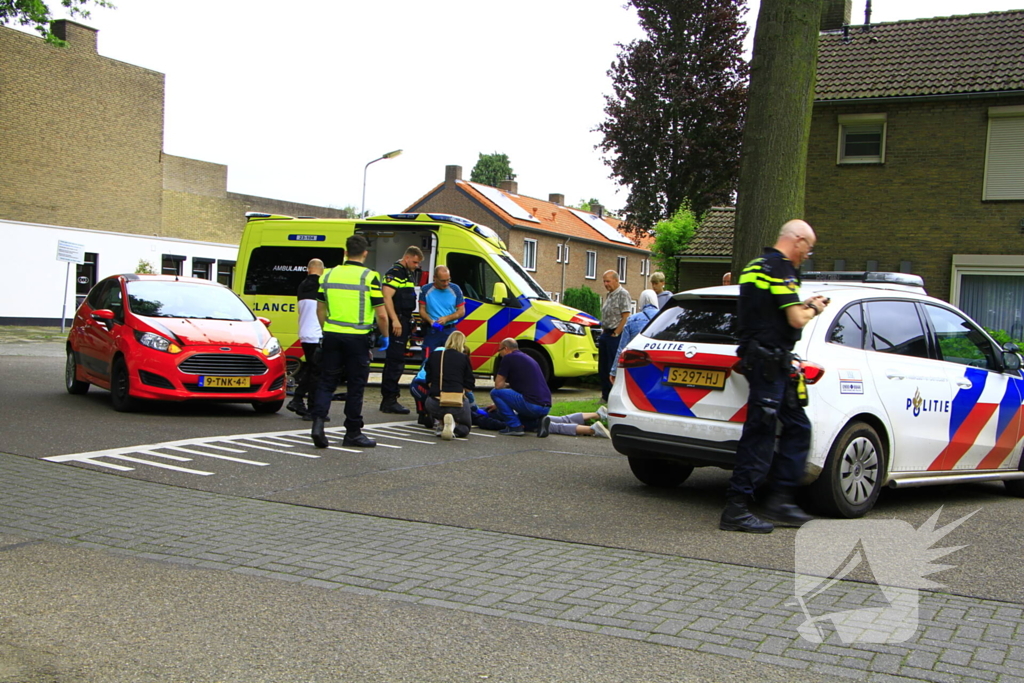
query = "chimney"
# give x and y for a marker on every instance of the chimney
(557, 199)
(835, 14)
(78, 36)
(509, 185)
(451, 174)
(597, 210)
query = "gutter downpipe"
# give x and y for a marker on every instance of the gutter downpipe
(565, 247)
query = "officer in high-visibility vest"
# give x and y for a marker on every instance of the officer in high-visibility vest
(399, 290)
(349, 304)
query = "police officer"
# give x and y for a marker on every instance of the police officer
(349, 302)
(771, 317)
(399, 291)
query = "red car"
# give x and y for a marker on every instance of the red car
(173, 339)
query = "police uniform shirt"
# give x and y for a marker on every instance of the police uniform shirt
(402, 280)
(768, 286)
(373, 281)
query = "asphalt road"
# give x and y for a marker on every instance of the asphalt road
(562, 488)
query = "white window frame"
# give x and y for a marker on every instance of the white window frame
(849, 122)
(621, 266)
(558, 252)
(565, 253)
(1004, 154)
(554, 296)
(645, 267)
(530, 254)
(591, 265)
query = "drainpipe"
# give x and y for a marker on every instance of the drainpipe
(565, 247)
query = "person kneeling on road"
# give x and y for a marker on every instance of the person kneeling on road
(520, 391)
(449, 370)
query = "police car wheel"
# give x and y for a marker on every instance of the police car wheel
(1015, 487)
(120, 388)
(661, 474)
(851, 480)
(71, 382)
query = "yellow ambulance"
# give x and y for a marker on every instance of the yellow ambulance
(502, 300)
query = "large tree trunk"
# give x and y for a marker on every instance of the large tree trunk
(781, 94)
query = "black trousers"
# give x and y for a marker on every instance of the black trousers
(394, 361)
(310, 371)
(350, 352)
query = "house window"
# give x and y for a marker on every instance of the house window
(621, 268)
(990, 289)
(530, 254)
(645, 267)
(554, 296)
(565, 253)
(861, 139)
(226, 272)
(591, 265)
(172, 264)
(85, 273)
(202, 267)
(1004, 154)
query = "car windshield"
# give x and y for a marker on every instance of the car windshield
(167, 299)
(711, 321)
(521, 279)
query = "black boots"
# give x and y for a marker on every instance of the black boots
(358, 441)
(317, 432)
(393, 406)
(780, 508)
(297, 406)
(738, 517)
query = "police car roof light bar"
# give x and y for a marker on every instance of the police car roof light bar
(866, 276)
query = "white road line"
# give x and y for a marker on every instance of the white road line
(222, 448)
(275, 443)
(120, 468)
(333, 448)
(160, 465)
(219, 457)
(473, 432)
(165, 455)
(386, 434)
(274, 450)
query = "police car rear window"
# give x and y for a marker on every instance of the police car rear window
(711, 321)
(277, 271)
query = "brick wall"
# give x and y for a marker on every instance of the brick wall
(923, 204)
(80, 135)
(695, 274)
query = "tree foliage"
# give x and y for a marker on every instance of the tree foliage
(583, 298)
(782, 75)
(491, 169)
(671, 236)
(36, 13)
(674, 124)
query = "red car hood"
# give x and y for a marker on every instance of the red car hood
(224, 332)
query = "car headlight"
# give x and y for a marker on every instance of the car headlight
(272, 348)
(570, 328)
(155, 341)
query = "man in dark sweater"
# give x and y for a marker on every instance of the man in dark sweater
(520, 392)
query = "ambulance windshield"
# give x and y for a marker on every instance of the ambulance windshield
(520, 278)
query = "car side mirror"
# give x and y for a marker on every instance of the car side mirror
(103, 314)
(499, 293)
(265, 321)
(1011, 357)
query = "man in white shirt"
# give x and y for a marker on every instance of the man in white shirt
(310, 334)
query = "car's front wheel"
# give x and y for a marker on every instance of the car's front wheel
(268, 407)
(852, 477)
(662, 474)
(71, 381)
(120, 388)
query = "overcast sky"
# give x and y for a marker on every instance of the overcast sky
(296, 98)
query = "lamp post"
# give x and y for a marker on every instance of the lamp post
(389, 155)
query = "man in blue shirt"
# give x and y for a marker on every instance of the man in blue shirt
(441, 307)
(634, 324)
(520, 392)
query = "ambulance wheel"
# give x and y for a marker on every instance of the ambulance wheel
(267, 407)
(1015, 487)
(661, 474)
(542, 361)
(71, 381)
(851, 480)
(120, 388)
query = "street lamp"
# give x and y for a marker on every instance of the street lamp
(389, 155)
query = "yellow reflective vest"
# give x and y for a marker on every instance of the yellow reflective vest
(351, 292)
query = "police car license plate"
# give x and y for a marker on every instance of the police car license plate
(696, 377)
(209, 382)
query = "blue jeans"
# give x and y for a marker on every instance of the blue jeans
(433, 338)
(516, 410)
(607, 347)
(756, 457)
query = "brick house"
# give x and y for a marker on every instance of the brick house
(916, 158)
(560, 246)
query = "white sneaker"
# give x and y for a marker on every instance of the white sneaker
(602, 412)
(448, 433)
(600, 430)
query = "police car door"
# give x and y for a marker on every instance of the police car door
(913, 387)
(985, 416)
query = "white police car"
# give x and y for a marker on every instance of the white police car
(905, 391)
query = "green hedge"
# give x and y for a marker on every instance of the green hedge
(583, 298)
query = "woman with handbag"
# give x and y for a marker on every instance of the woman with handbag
(449, 377)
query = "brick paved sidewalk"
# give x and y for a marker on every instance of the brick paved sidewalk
(678, 602)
